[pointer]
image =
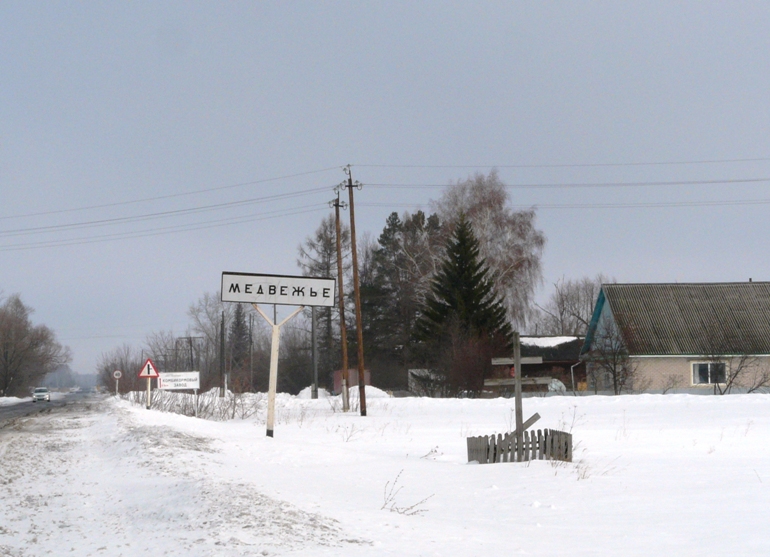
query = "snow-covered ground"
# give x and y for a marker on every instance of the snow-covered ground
(653, 475)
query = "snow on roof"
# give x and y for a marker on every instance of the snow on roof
(547, 342)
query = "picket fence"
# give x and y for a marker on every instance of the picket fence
(548, 444)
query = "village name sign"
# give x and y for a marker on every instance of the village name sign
(275, 289)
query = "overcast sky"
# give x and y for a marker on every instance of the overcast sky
(143, 108)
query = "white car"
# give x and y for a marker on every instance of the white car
(41, 393)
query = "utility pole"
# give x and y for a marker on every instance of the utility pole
(222, 356)
(357, 291)
(251, 350)
(314, 340)
(343, 328)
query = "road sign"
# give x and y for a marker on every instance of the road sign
(179, 380)
(117, 374)
(278, 289)
(149, 371)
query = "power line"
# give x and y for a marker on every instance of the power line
(165, 230)
(642, 205)
(565, 165)
(151, 216)
(170, 196)
(590, 184)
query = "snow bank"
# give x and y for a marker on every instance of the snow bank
(307, 393)
(9, 400)
(371, 392)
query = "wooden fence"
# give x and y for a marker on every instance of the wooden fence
(548, 444)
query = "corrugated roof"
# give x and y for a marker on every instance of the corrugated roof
(700, 318)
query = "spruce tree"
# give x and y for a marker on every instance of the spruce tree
(239, 340)
(462, 293)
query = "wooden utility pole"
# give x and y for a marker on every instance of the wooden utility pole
(357, 291)
(343, 328)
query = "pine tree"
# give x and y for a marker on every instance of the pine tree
(461, 292)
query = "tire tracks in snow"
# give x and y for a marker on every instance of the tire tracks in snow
(92, 481)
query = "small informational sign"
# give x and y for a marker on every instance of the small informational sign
(179, 380)
(277, 289)
(117, 374)
(149, 370)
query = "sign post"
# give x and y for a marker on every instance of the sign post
(276, 289)
(150, 372)
(117, 374)
(517, 361)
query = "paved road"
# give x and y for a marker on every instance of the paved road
(8, 413)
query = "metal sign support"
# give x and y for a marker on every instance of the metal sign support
(274, 345)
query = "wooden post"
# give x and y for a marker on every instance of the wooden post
(357, 292)
(517, 384)
(343, 328)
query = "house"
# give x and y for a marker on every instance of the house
(550, 363)
(661, 337)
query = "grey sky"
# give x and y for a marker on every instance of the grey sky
(102, 103)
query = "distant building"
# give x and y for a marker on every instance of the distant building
(690, 335)
(560, 366)
(352, 379)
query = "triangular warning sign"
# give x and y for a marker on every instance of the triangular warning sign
(148, 370)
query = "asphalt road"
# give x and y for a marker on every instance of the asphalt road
(60, 400)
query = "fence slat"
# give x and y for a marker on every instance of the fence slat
(546, 444)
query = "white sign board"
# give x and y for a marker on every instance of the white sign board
(278, 289)
(117, 374)
(179, 380)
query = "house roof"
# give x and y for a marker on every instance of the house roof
(552, 348)
(689, 319)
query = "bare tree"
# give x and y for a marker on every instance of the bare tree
(126, 359)
(569, 309)
(608, 363)
(206, 317)
(758, 379)
(318, 258)
(509, 241)
(27, 352)
(727, 362)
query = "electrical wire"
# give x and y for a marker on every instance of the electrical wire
(590, 184)
(151, 216)
(564, 165)
(170, 196)
(166, 229)
(642, 205)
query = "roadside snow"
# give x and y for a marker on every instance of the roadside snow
(9, 400)
(653, 475)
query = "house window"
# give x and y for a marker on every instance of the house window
(707, 374)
